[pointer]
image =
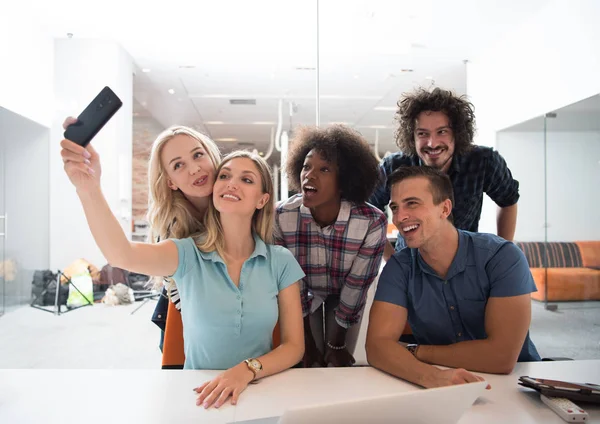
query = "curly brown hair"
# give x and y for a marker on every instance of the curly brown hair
(358, 168)
(458, 109)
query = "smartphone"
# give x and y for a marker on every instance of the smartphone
(94, 117)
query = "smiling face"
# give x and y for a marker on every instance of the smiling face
(188, 166)
(434, 140)
(415, 214)
(319, 180)
(239, 188)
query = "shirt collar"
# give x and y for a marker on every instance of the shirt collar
(260, 249)
(459, 263)
(341, 221)
(454, 165)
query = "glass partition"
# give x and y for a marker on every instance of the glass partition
(556, 159)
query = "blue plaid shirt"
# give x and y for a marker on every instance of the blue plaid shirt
(481, 170)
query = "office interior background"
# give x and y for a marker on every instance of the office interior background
(247, 74)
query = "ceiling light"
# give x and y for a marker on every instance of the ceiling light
(146, 70)
(356, 76)
(226, 139)
(261, 153)
(406, 70)
(171, 91)
(377, 126)
(263, 123)
(428, 78)
(385, 108)
(214, 122)
(187, 66)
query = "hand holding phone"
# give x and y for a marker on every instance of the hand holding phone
(94, 117)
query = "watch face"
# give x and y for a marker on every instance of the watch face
(255, 364)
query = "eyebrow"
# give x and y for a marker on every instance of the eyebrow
(408, 199)
(179, 157)
(225, 168)
(437, 129)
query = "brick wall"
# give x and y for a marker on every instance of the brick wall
(145, 130)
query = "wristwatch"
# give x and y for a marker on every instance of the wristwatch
(253, 365)
(412, 348)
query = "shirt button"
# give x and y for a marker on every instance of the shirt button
(459, 334)
(160, 316)
(238, 298)
(238, 326)
(451, 308)
(239, 312)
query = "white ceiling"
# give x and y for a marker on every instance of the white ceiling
(209, 52)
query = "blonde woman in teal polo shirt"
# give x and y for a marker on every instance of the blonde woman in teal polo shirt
(234, 285)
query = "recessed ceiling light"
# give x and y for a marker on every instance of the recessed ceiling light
(263, 123)
(406, 70)
(214, 122)
(356, 76)
(385, 108)
(261, 153)
(171, 91)
(187, 66)
(377, 126)
(146, 70)
(226, 139)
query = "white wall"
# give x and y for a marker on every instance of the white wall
(82, 69)
(24, 147)
(552, 60)
(26, 73)
(573, 176)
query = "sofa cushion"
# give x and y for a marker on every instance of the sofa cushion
(566, 284)
(590, 253)
(551, 254)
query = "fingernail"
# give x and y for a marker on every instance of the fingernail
(205, 405)
(91, 171)
(87, 162)
(87, 154)
(233, 402)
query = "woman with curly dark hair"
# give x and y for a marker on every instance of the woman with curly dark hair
(336, 236)
(436, 129)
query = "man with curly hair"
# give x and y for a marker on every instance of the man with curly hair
(436, 129)
(337, 237)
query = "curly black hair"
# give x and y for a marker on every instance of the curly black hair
(358, 168)
(458, 109)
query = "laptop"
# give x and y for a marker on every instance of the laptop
(444, 405)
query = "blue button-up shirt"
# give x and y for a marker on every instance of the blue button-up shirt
(223, 324)
(443, 311)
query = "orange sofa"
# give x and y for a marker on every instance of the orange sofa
(570, 270)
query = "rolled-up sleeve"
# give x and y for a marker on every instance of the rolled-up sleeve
(499, 183)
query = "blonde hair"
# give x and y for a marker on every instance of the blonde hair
(170, 214)
(262, 220)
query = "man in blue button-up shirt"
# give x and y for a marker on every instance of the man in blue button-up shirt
(466, 295)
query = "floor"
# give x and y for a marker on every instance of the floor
(112, 337)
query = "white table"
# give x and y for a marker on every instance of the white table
(155, 396)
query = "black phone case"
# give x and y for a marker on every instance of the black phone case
(546, 390)
(94, 117)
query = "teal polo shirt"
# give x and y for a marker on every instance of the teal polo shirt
(224, 324)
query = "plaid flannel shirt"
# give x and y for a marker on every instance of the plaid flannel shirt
(341, 259)
(481, 170)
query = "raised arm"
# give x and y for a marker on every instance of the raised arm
(82, 166)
